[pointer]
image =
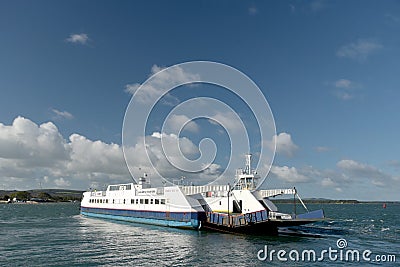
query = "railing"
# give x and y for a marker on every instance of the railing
(192, 190)
(274, 192)
(233, 220)
(98, 193)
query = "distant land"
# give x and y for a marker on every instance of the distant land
(42, 195)
(329, 201)
(64, 195)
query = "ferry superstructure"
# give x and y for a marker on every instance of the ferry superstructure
(166, 206)
(237, 208)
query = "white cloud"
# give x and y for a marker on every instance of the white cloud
(253, 10)
(344, 95)
(132, 88)
(392, 18)
(227, 120)
(62, 114)
(95, 156)
(328, 182)
(322, 149)
(170, 140)
(357, 170)
(31, 153)
(345, 89)
(168, 77)
(61, 182)
(177, 122)
(317, 5)
(81, 38)
(284, 144)
(344, 83)
(359, 50)
(289, 174)
(355, 167)
(32, 144)
(351, 179)
(156, 153)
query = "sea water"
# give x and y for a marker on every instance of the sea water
(55, 234)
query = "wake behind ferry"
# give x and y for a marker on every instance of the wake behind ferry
(240, 208)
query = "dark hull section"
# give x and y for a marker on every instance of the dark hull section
(261, 228)
(257, 223)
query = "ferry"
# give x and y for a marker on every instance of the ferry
(240, 208)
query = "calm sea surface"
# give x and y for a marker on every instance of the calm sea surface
(56, 235)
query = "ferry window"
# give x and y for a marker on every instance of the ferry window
(128, 187)
(113, 201)
(137, 201)
(157, 201)
(114, 188)
(124, 201)
(162, 201)
(132, 201)
(151, 201)
(146, 201)
(106, 201)
(220, 203)
(141, 201)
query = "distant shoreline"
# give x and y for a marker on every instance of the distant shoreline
(35, 196)
(333, 201)
(67, 195)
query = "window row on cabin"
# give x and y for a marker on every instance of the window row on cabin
(120, 187)
(133, 201)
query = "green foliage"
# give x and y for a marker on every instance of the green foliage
(21, 195)
(44, 196)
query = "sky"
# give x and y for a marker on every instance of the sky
(328, 69)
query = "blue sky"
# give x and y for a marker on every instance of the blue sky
(329, 70)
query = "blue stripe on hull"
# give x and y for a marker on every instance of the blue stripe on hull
(181, 220)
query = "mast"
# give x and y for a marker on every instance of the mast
(248, 164)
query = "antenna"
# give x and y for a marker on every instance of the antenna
(248, 163)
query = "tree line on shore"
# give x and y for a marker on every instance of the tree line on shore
(40, 196)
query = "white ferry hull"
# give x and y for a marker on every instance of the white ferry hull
(164, 206)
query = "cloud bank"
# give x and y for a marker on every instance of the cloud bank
(32, 154)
